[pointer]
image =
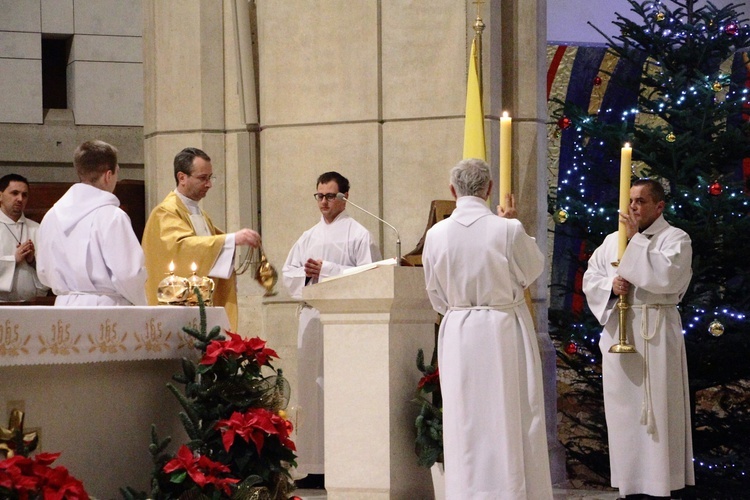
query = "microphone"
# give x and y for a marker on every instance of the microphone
(341, 196)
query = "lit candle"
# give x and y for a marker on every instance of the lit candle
(625, 160)
(505, 147)
(171, 267)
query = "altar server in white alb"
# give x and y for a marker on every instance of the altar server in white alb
(477, 265)
(88, 253)
(334, 244)
(18, 280)
(646, 399)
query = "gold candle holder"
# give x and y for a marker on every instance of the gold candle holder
(172, 290)
(622, 346)
(205, 286)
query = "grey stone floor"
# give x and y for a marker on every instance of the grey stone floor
(559, 494)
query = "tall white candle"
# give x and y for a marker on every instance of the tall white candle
(625, 166)
(505, 157)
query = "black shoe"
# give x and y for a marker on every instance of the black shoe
(311, 482)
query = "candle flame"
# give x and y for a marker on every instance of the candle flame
(627, 145)
(193, 267)
(171, 267)
(505, 114)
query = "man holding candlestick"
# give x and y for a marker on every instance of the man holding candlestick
(179, 231)
(646, 397)
(476, 267)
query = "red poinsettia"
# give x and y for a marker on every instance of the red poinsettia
(201, 469)
(255, 425)
(30, 478)
(430, 379)
(254, 349)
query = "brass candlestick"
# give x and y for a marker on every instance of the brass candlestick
(622, 347)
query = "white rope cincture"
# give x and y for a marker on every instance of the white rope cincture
(647, 407)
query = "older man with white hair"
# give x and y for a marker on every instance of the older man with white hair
(477, 265)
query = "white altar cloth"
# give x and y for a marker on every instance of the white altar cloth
(38, 335)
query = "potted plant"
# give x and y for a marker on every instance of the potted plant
(233, 412)
(429, 422)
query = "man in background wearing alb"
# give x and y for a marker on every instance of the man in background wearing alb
(18, 279)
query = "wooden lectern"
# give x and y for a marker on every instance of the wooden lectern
(373, 324)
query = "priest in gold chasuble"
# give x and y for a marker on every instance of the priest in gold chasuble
(179, 231)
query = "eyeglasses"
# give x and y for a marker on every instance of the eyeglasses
(204, 178)
(328, 196)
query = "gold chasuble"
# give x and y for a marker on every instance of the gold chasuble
(169, 237)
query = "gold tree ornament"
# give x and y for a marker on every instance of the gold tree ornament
(671, 137)
(717, 86)
(660, 16)
(716, 328)
(560, 216)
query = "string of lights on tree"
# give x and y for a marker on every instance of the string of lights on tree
(688, 124)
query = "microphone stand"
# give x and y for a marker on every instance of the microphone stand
(341, 196)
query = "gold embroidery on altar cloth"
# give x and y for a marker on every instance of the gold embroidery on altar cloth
(153, 339)
(108, 341)
(60, 342)
(185, 340)
(12, 343)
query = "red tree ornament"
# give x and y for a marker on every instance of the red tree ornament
(715, 189)
(731, 29)
(571, 348)
(564, 123)
(597, 81)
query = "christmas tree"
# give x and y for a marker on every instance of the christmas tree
(677, 91)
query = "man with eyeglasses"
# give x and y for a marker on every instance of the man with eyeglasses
(337, 242)
(179, 231)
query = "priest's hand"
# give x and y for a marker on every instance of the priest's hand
(631, 223)
(25, 251)
(313, 267)
(620, 286)
(247, 237)
(509, 212)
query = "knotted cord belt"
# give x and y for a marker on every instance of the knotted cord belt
(647, 408)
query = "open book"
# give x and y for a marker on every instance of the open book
(362, 268)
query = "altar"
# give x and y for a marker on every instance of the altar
(93, 380)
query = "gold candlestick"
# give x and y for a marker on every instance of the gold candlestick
(622, 347)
